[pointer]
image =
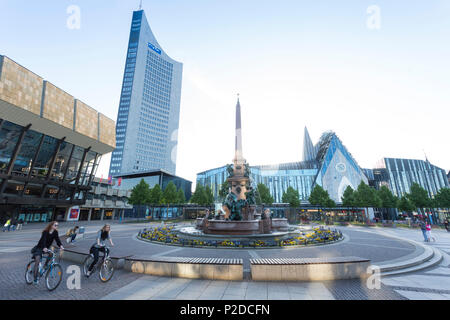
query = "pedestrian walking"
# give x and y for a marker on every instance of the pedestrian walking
(429, 236)
(423, 227)
(20, 224)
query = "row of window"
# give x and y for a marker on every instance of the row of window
(36, 154)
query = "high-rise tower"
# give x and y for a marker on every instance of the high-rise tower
(149, 110)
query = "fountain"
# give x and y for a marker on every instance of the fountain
(242, 223)
(240, 215)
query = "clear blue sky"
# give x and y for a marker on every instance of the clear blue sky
(384, 92)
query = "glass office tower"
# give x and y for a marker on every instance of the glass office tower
(149, 110)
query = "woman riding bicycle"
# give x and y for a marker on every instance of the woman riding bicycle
(48, 235)
(100, 245)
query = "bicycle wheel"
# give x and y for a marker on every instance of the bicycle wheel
(86, 264)
(53, 277)
(106, 271)
(29, 273)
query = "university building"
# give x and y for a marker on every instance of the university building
(329, 164)
(399, 174)
(149, 110)
(50, 146)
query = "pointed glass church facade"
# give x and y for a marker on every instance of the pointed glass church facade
(328, 164)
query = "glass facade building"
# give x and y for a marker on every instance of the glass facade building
(400, 174)
(152, 178)
(277, 178)
(149, 110)
(327, 164)
(330, 165)
(50, 146)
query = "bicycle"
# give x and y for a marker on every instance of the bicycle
(105, 266)
(52, 270)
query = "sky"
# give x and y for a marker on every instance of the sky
(374, 72)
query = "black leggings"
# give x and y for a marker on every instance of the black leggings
(37, 260)
(95, 252)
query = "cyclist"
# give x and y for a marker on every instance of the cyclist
(48, 235)
(100, 245)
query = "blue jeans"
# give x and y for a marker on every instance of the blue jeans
(425, 235)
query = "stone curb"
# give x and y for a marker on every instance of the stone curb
(388, 267)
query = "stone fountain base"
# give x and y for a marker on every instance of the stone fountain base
(244, 227)
(192, 233)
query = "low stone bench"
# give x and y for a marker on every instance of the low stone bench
(309, 269)
(191, 268)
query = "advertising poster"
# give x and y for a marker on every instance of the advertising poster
(74, 214)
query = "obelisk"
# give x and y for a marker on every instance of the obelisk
(238, 160)
(238, 181)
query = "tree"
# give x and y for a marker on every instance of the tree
(405, 205)
(388, 200)
(140, 194)
(264, 194)
(348, 198)
(317, 196)
(169, 194)
(181, 198)
(223, 192)
(367, 197)
(209, 196)
(329, 203)
(155, 195)
(418, 196)
(291, 196)
(320, 197)
(199, 196)
(443, 198)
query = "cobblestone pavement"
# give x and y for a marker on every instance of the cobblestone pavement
(357, 243)
(13, 286)
(432, 283)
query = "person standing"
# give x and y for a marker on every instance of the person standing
(423, 227)
(446, 225)
(20, 224)
(428, 227)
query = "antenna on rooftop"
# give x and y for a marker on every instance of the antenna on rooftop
(426, 158)
(140, 5)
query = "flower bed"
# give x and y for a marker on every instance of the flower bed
(167, 235)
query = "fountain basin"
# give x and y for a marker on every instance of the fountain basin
(223, 227)
(191, 233)
(280, 224)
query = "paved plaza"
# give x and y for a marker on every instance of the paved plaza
(378, 244)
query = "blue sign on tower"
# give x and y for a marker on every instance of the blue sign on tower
(158, 51)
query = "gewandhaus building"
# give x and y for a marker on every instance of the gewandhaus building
(50, 146)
